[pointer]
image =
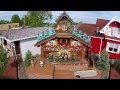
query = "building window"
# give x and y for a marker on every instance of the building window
(112, 47)
(116, 47)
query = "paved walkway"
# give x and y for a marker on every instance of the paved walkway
(60, 71)
(114, 74)
(21, 71)
(39, 72)
(11, 69)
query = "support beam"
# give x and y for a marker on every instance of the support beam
(66, 40)
(60, 40)
(42, 53)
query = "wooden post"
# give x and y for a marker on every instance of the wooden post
(66, 40)
(83, 53)
(56, 40)
(60, 40)
(42, 53)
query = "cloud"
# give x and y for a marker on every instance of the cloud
(8, 14)
(77, 16)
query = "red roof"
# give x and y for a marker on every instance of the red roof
(89, 29)
(101, 23)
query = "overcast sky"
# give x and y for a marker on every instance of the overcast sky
(77, 16)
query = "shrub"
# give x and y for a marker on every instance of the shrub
(28, 58)
(103, 62)
(3, 60)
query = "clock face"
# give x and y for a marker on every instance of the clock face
(64, 27)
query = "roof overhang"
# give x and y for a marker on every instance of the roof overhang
(58, 36)
(112, 39)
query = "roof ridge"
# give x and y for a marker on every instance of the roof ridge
(62, 14)
(102, 19)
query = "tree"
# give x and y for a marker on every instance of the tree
(16, 19)
(28, 58)
(3, 60)
(25, 21)
(103, 62)
(37, 18)
(4, 21)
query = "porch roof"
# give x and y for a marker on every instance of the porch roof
(57, 35)
(23, 33)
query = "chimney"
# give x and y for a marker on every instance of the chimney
(97, 30)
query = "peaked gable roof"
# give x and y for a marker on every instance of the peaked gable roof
(89, 29)
(23, 33)
(110, 21)
(101, 23)
(62, 15)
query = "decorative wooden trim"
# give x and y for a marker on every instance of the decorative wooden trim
(66, 15)
(67, 36)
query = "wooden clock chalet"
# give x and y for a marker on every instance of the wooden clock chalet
(63, 41)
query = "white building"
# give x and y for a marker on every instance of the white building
(19, 41)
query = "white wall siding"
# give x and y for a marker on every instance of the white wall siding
(0, 41)
(28, 44)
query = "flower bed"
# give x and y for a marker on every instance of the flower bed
(62, 46)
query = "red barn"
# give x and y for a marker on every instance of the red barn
(105, 34)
